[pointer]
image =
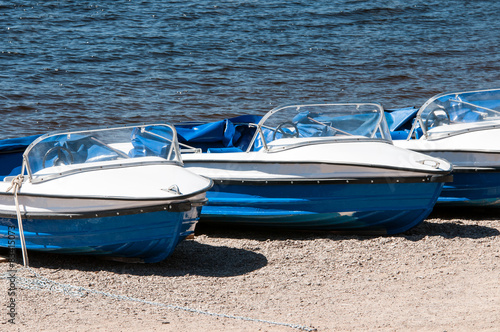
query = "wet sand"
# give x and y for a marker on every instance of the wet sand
(442, 275)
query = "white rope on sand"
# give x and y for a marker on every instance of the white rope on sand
(38, 282)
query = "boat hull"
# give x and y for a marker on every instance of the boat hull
(148, 237)
(476, 177)
(475, 187)
(381, 207)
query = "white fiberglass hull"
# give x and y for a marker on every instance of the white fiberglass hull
(107, 189)
(321, 161)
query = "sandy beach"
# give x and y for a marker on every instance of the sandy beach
(443, 275)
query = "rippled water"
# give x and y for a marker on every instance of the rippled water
(67, 64)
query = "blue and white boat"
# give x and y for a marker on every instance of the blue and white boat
(316, 167)
(463, 128)
(99, 192)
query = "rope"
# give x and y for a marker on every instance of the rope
(39, 282)
(16, 184)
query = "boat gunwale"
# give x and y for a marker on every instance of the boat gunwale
(167, 207)
(188, 165)
(476, 169)
(449, 150)
(311, 141)
(444, 135)
(368, 180)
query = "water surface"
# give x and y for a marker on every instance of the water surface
(70, 64)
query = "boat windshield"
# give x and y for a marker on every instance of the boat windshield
(83, 148)
(452, 113)
(317, 122)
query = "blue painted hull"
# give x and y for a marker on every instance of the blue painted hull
(378, 208)
(149, 237)
(472, 189)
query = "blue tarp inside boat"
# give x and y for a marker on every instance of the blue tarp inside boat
(11, 154)
(16, 144)
(401, 118)
(228, 135)
(400, 121)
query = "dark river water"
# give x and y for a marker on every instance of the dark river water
(70, 64)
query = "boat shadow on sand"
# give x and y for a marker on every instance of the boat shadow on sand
(194, 258)
(458, 222)
(189, 258)
(450, 223)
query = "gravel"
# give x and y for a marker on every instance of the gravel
(442, 275)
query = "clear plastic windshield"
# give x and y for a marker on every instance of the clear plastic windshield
(451, 111)
(308, 123)
(85, 148)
